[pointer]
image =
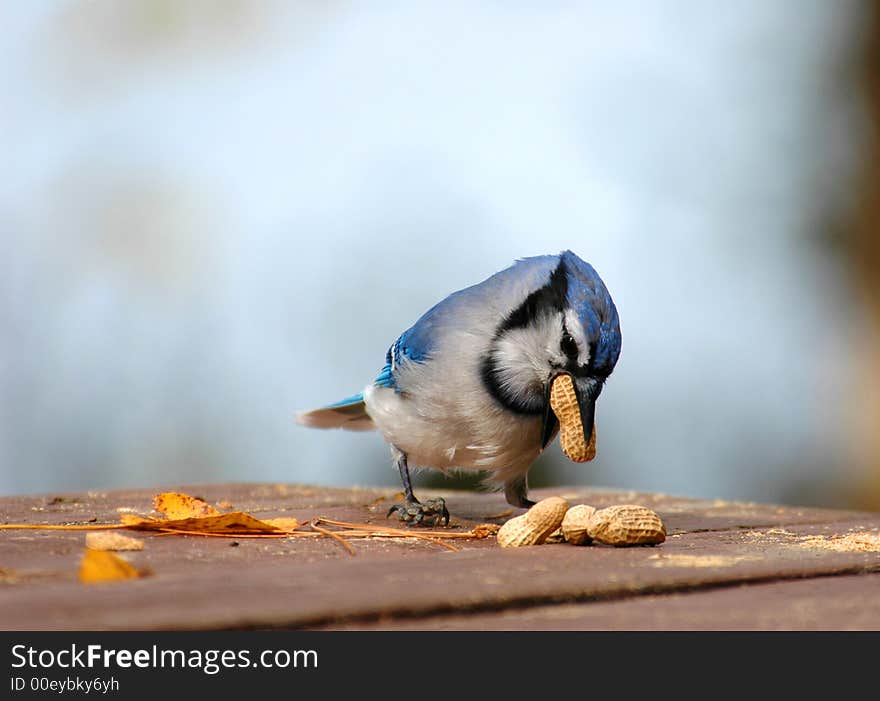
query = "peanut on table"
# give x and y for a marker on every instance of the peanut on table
(621, 525)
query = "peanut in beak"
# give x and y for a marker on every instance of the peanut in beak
(564, 403)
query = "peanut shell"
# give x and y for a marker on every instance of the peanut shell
(563, 401)
(626, 524)
(574, 524)
(533, 527)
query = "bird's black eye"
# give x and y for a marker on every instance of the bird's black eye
(568, 345)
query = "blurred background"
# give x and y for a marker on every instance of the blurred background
(214, 215)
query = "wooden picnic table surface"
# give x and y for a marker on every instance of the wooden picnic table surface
(725, 565)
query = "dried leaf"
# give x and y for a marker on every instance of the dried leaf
(102, 566)
(241, 525)
(236, 522)
(484, 530)
(211, 523)
(178, 506)
(284, 523)
(133, 521)
(107, 540)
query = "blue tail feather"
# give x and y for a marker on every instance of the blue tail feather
(349, 413)
(353, 399)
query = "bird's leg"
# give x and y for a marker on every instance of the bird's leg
(516, 492)
(432, 512)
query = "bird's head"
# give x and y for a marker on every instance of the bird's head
(569, 325)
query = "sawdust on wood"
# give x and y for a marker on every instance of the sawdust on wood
(681, 560)
(860, 542)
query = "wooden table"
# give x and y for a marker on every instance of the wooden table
(725, 565)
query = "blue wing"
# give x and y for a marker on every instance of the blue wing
(413, 345)
(418, 342)
(351, 413)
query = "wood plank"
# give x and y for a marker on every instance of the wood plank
(850, 602)
(204, 583)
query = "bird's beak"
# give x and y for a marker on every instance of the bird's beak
(550, 423)
(586, 390)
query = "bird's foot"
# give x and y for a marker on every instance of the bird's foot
(432, 512)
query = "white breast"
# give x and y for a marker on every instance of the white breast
(447, 420)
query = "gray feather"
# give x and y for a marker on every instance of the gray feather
(351, 417)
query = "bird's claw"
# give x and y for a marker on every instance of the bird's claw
(432, 512)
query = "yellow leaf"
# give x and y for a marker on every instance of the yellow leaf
(133, 521)
(102, 566)
(235, 523)
(107, 540)
(177, 506)
(283, 523)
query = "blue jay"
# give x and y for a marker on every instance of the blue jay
(467, 386)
